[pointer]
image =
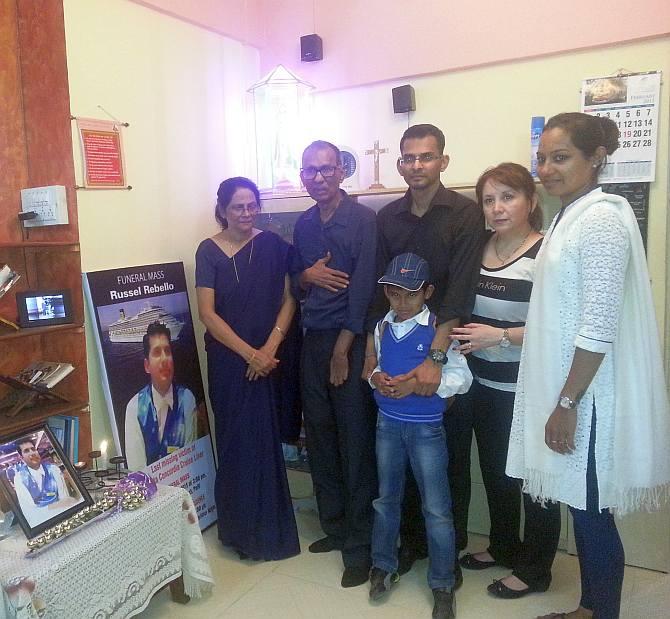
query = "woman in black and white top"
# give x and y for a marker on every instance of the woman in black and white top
(493, 341)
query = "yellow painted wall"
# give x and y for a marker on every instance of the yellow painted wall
(183, 91)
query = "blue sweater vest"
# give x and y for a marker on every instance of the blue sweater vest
(398, 356)
(174, 433)
(48, 493)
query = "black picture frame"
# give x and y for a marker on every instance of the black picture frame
(14, 470)
(31, 306)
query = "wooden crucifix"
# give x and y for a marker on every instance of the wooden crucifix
(376, 151)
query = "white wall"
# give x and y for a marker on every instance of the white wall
(183, 91)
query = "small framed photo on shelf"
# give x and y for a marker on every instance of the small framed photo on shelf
(40, 308)
(38, 480)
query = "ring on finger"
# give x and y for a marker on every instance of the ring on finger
(469, 345)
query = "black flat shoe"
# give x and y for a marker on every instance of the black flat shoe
(325, 544)
(355, 575)
(501, 590)
(470, 562)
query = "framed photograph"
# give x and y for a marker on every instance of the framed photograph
(39, 481)
(39, 308)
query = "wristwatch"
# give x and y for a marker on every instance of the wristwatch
(437, 355)
(565, 402)
(504, 340)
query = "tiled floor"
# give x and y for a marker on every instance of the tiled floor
(308, 586)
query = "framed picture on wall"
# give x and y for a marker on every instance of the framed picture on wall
(38, 480)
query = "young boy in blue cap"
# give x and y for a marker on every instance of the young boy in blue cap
(409, 428)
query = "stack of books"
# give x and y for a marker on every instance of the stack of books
(66, 431)
(45, 373)
(33, 383)
(7, 279)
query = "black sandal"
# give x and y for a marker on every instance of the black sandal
(470, 562)
(501, 590)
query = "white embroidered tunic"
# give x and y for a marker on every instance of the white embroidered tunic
(592, 283)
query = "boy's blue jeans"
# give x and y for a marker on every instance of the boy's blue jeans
(425, 445)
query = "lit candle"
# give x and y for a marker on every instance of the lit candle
(103, 455)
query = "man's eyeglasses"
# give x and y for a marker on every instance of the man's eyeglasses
(410, 160)
(238, 209)
(309, 173)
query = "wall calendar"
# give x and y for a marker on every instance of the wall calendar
(632, 102)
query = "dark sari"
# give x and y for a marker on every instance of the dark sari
(255, 514)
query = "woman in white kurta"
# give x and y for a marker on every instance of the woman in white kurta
(590, 422)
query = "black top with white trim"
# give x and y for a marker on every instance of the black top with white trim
(501, 301)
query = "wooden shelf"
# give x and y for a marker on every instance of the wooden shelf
(47, 244)
(7, 333)
(37, 414)
(39, 134)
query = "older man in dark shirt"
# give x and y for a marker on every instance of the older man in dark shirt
(336, 246)
(447, 230)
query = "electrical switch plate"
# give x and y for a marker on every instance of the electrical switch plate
(49, 203)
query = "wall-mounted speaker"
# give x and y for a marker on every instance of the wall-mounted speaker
(311, 48)
(403, 99)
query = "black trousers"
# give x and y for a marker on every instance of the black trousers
(533, 556)
(458, 426)
(599, 548)
(340, 432)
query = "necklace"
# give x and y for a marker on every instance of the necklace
(232, 257)
(510, 254)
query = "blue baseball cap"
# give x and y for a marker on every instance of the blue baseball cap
(407, 271)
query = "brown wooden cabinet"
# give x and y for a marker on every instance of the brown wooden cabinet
(35, 151)
(46, 266)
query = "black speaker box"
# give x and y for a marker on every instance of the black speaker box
(311, 48)
(403, 99)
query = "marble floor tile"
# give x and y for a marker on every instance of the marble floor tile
(308, 586)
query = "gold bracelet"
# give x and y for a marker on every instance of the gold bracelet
(280, 330)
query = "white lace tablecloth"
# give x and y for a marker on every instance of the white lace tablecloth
(111, 567)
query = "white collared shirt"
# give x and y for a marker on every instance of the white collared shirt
(163, 404)
(37, 474)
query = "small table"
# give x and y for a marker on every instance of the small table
(111, 567)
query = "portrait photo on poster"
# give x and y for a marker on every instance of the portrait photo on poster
(148, 347)
(38, 480)
(151, 376)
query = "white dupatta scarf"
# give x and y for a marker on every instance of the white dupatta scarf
(633, 419)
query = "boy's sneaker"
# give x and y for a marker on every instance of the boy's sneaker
(381, 582)
(445, 604)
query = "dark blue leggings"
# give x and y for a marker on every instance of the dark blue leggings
(599, 548)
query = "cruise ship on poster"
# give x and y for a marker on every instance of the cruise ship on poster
(133, 328)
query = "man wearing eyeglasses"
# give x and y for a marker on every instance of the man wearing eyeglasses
(336, 245)
(447, 230)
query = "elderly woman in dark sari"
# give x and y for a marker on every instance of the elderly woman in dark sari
(245, 302)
